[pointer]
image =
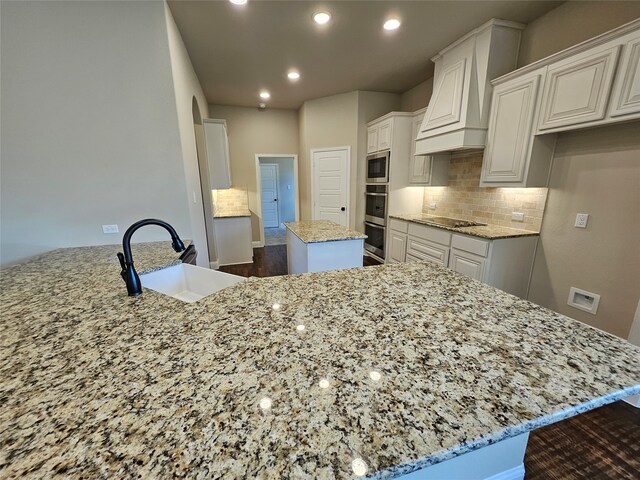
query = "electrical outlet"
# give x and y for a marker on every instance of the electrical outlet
(581, 220)
(110, 229)
(432, 206)
(517, 216)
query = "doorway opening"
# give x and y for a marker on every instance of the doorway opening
(277, 188)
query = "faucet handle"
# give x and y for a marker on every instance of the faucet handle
(123, 265)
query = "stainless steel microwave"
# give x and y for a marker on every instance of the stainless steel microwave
(378, 167)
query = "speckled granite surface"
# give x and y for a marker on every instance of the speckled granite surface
(322, 231)
(231, 213)
(491, 232)
(98, 384)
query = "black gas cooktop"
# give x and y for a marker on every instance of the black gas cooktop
(452, 222)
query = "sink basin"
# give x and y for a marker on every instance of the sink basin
(187, 282)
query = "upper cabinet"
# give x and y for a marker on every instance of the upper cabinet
(626, 93)
(379, 136)
(426, 170)
(577, 89)
(217, 148)
(458, 111)
(594, 83)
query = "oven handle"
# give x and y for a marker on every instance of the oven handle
(375, 226)
(376, 194)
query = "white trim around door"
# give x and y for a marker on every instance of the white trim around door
(266, 157)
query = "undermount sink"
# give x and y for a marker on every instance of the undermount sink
(187, 282)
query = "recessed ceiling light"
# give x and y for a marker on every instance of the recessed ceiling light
(265, 95)
(321, 17)
(391, 24)
(238, 2)
(293, 75)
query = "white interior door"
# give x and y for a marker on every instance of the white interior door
(331, 184)
(269, 185)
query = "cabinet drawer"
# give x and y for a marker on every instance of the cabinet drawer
(398, 225)
(471, 245)
(413, 258)
(426, 250)
(430, 233)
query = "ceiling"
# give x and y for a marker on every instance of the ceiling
(238, 50)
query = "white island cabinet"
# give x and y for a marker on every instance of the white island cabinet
(322, 245)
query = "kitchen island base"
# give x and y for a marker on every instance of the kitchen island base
(316, 257)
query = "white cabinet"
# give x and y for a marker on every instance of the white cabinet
(397, 247)
(514, 157)
(233, 240)
(426, 170)
(467, 264)
(577, 88)
(625, 99)
(217, 148)
(379, 136)
(504, 263)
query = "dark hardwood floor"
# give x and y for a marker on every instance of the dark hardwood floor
(601, 444)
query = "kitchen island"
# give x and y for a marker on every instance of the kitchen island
(321, 245)
(376, 371)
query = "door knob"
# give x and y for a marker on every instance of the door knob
(343, 209)
(275, 199)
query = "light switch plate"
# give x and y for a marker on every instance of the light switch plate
(110, 229)
(517, 216)
(581, 220)
(583, 300)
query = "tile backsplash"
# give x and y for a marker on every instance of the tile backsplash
(230, 199)
(464, 199)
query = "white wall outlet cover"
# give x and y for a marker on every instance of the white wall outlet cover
(583, 300)
(581, 220)
(110, 229)
(517, 216)
(432, 205)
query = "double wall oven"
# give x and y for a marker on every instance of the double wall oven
(376, 203)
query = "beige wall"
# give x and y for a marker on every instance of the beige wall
(327, 122)
(251, 131)
(418, 97)
(596, 172)
(186, 88)
(90, 130)
(572, 23)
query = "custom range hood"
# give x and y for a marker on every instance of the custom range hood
(458, 113)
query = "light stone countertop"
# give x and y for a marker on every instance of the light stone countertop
(491, 232)
(98, 384)
(318, 231)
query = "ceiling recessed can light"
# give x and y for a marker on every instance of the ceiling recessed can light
(265, 95)
(321, 17)
(391, 24)
(239, 2)
(293, 75)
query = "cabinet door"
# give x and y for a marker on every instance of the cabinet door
(510, 130)
(420, 169)
(217, 148)
(446, 102)
(397, 247)
(372, 139)
(626, 94)
(429, 251)
(576, 90)
(384, 135)
(415, 128)
(467, 264)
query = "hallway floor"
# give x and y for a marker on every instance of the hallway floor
(275, 236)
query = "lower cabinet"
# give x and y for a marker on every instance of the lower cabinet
(504, 263)
(233, 240)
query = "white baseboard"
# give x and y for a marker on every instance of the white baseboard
(257, 244)
(633, 400)
(214, 265)
(515, 473)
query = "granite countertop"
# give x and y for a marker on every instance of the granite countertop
(318, 231)
(98, 384)
(492, 232)
(232, 213)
